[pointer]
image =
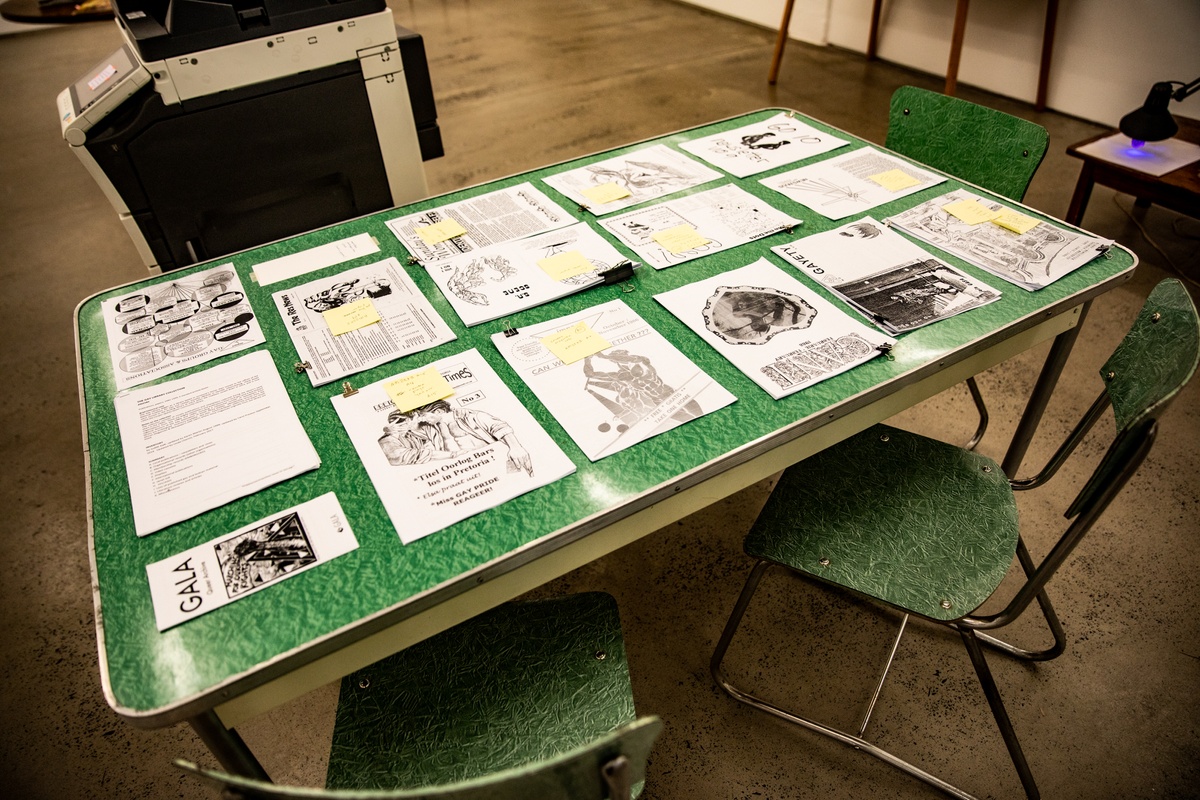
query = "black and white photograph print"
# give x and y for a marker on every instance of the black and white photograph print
(263, 554)
(755, 315)
(915, 294)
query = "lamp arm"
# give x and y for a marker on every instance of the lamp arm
(1185, 89)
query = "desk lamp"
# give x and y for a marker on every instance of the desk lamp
(1152, 122)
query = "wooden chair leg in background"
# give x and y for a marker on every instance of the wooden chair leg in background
(781, 41)
(956, 42)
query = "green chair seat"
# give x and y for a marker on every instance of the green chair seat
(875, 539)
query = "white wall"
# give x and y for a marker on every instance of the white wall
(1107, 53)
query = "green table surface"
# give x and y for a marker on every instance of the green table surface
(160, 678)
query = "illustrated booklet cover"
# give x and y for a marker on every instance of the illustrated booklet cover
(450, 458)
(634, 386)
(772, 327)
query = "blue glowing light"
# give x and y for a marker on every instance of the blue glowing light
(1137, 143)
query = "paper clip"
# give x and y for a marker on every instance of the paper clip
(509, 330)
(348, 390)
(302, 367)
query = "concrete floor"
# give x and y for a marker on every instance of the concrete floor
(520, 84)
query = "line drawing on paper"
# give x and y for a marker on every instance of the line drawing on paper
(628, 385)
(477, 273)
(264, 554)
(345, 292)
(754, 315)
(437, 430)
(826, 188)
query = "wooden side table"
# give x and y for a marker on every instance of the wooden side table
(1178, 190)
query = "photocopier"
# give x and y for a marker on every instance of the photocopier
(220, 125)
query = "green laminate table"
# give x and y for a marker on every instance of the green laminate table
(222, 668)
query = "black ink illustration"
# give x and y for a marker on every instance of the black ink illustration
(439, 431)
(629, 386)
(266, 553)
(346, 292)
(754, 315)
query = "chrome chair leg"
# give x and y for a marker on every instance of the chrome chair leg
(992, 692)
(1048, 613)
(857, 742)
(981, 407)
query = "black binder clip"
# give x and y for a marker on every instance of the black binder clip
(302, 367)
(509, 330)
(414, 261)
(886, 349)
(617, 273)
(584, 208)
(348, 390)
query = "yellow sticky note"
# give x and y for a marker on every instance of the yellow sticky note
(576, 342)
(680, 239)
(440, 231)
(351, 316)
(1015, 221)
(566, 265)
(971, 212)
(415, 389)
(895, 179)
(605, 193)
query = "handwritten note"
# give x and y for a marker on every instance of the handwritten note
(576, 342)
(566, 265)
(680, 239)
(971, 212)
(605, 193)
(351, 316)
(415, 389)
(440, 231)
(894, 180)
(1015, 221)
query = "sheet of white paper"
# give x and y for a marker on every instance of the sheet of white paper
(761, 146)
(639, 387)
(647, 174)
(206, 439)
(161, 329)
(781, 334)
(726, 216)
(506, 278)
(890, 280)
(450, 460)
(315, 258)
(1030, 260)
(1153, 158)
(408, 322)
(499, 216)
(241, 563)
(842, 185)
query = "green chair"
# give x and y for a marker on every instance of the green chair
(529, 700)
(980, 145)
(930, 529)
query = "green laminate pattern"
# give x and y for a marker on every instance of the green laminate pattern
(923, 525)
(521, 683)
(147, 673)
(574, 775)
(995, 150)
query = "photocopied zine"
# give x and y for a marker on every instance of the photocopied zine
(500, 216)
(252, 558)
(632, 178)
(780, 333)
(505, 278)
(892, 281)
(448, 459)
(774, 142)
(1038, 257)
(404, 320)
(852, 183)
(159, 330)
(200, 441)
(710, 221)
(634, 385)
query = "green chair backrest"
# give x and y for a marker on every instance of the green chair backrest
(1152, 364)
(574, 775)
(980, 145)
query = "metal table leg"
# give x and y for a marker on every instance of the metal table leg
(225, 743)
